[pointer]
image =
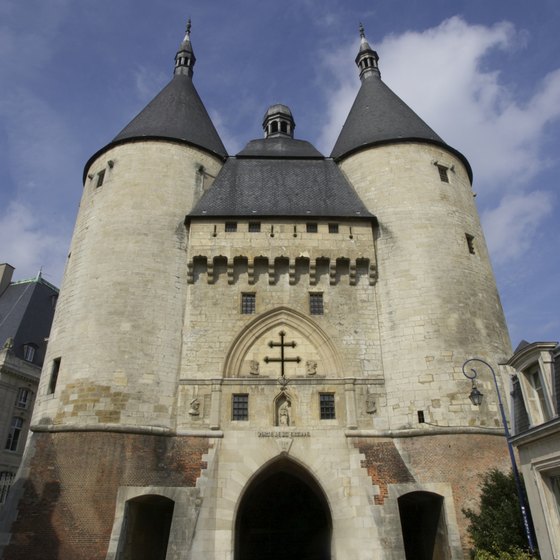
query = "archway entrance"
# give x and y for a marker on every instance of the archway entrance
(423, 526)
(283, 514)
(146, 527)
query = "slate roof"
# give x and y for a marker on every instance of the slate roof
(176, 113)
(295, 181)
(26, 314)
(379, 116)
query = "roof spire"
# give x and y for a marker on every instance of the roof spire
(185, 59)
(367, 58)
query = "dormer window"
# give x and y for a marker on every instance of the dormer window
(29, 352)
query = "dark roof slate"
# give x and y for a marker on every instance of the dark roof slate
(253, 187)
(280, 147)
(26, 314)
(176, 113)
(379, 115)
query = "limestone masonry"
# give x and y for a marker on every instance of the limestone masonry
(259, 355)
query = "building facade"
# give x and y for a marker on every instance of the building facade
(26, 314)
(536, 435)
(259, 355)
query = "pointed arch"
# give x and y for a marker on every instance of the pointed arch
(283, 513)
(282, 317)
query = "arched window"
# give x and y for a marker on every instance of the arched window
(146, 527)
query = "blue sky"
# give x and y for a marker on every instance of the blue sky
(484, 74)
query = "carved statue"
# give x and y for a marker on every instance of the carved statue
(9, 344)
(254, 367)
(311, 367)
(371, 404)
(195, 407)
(284, 414)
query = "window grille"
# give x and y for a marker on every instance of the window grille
(248, 304)
(316, 306)
(326, 404)
(240, 407)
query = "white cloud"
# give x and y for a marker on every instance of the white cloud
(29, 246)
(443, 74)
(510, 228)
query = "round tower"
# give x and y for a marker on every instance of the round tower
(114, 349)
(438, 302)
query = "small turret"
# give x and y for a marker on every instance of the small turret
(185, 59)
(278, 121)
(367, 58)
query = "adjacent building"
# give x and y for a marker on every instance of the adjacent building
(260, 355)
(536, 435)
(26, 314)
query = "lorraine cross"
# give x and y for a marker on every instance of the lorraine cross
(282, 359)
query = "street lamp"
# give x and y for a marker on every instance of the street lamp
(476, 398)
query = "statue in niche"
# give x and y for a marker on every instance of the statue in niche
(284, 414)
(371, 404)
(195, 407)
(311, 367)
(253, 367)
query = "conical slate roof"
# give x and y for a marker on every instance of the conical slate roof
(176, 113)
(379, 115)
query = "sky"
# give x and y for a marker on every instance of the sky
(484, 74)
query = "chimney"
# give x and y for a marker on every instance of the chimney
(6, 271)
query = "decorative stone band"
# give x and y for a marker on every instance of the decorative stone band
(335, 268)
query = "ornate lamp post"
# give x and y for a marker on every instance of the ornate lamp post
(476, 398)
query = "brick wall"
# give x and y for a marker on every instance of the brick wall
(68, 504)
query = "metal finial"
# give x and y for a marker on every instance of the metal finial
(362, 31)
(189, 27)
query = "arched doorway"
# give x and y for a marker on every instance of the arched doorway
(423, 526)
(146, 527)
(283, 514)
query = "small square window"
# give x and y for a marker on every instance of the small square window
(248, 303)
(100, 178)
(470, 243)
(326, 405)
(240, 407)
(316, 306)
(231, 227)
(254, 227)
(444, 177)
(311, 227)
(333, 228)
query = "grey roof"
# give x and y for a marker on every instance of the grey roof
(26, 314)
(176, 113)
(280, 186)
(379, 116)
(280, 146)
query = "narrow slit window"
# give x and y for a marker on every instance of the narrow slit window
(470, 243)
(100, 178)
(311, 227)
(240, 407)
(316, 305)
(248, 303)
(54, 376)
(326, 406)
(443, 173)
(254, 227)
(231, 227)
